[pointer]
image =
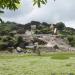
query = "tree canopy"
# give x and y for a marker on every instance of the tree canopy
(9, 4)
(12, 4)
(39, 2)
(60, 25)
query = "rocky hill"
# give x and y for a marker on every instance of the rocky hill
(43, 28)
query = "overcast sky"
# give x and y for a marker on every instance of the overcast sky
(61, 10)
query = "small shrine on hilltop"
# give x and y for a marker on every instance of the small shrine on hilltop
(53, 30)
(33, 28)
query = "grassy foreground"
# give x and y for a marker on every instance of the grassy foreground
(21, 64)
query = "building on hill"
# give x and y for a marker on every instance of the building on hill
(33, 27)
(53, 29)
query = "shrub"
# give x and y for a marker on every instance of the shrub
(71, 40)
(3, 46)
(56, 47)
(6, 39)
(0, 38)
(60, 26)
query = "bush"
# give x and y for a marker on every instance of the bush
(3, 46)
(60, 26)
(71, 40)
(6, 39)
(0, 38)
(11, 34)
(56, 47)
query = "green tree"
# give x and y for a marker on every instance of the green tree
(60, 25)
(19, 40)
(39, 2)
(9, 4)
(12, 4)
(71, 40)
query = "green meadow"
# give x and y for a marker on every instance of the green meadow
(31, 64)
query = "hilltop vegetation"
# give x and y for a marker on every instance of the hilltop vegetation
(9, 29)
(41, 28)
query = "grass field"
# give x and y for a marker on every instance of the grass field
(46, 64)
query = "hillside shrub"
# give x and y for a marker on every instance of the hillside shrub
(3, 46)
(71, 40)
(56, 47)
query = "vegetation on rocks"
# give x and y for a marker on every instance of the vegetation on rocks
(8, 30)
(71, 40)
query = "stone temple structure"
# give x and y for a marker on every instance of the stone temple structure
(53, 29)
